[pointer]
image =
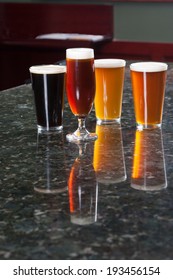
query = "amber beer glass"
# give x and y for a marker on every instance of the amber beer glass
(80, 87)
(148, 84)
(109, 89)
(48, 87)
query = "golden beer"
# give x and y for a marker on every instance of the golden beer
(148, 84)
(109, 89)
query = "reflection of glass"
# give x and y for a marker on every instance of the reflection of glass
(80, 87)
(50, 164)
(148, 171)
(109, 161)
(83, 189)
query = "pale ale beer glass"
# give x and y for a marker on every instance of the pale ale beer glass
(109, 89)
(80, 87)
(148, 85)
(48, 87)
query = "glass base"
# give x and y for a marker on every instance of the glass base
(50, 190)
(73, 137)
(109, 181)
(43, 129)
(83, 220)
(148, 126)
(112, 121)
(149, 187)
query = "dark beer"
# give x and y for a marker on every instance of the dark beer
(48, 87)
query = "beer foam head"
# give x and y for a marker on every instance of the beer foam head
(80, 53)
(47, 69)
(148, 66)
(109, 63)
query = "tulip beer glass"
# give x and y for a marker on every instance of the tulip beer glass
(148, 84)
(80, 87)
(109, 89)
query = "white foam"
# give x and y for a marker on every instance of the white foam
(47, 69)
(148, 66)
(109, 63)
(79, 53)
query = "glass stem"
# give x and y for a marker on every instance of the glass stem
(81, 131)
(82, 149)
(81, 124)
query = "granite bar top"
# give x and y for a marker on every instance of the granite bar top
(63, 201)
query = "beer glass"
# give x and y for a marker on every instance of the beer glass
(108, 161)
(109, 90)
(80, 87)
(148, 85)
(48, 87)
(148, 172)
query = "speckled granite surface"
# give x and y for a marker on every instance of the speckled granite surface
(111, 220)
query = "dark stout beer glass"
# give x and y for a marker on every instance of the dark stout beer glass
(80, 86)
(48, 88)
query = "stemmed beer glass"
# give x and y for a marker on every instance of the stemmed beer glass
(80, 87)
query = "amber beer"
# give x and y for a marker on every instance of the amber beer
(109, 89)
(48, 88)
(148, 84)
(80, 81)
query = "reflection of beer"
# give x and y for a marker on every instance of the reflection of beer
(109, 89)
(50, 174)
(148, 82)
(80, 83)
(148, 171)
(108, 154)
(83, 190)
(48, 87)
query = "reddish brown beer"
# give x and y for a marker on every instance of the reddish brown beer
(80, 88)
(80, 85)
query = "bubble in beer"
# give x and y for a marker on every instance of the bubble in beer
(80, 53)
(109, 63)
(148, 66)
(47, 69)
